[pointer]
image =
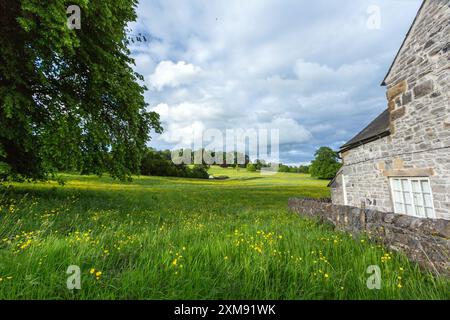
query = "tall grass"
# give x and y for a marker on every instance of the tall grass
(169, 238)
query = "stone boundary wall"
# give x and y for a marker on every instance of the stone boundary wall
(425, 241)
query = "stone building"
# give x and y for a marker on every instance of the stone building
(401, 161)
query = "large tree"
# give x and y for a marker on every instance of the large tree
(326, 164)
(69, 99)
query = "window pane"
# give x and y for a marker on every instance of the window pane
(398, 196)
(428, 200)
(399, 208)
(409, 209)
(418, 199)
(407, 197)
(425, 186)
(430, 212)
(397, 185)
(416, 186)
(420, 211)
(405, 185)
(418, 202)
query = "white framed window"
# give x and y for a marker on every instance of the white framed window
(412, 196)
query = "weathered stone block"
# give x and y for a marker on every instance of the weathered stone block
(428, 44)
(441, 228)
(391, 105)
(446, 48)
(373, 216)
(398, 163)
(406, 98)
(423, 89)
(435, 95)
(404, 222)
(447, 123)
(397, 90)
(398, 113)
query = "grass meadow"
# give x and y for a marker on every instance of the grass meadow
(174, 238)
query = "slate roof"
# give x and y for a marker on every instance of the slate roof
(377, 129)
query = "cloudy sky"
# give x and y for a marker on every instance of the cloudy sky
(311, 69)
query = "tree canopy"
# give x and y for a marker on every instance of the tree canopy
(326, 164)
(69, 99)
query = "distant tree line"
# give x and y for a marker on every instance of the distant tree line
(188, 163)
(325, 165)
(211, 158)
(195, 164)
(257, 165)
(159, 163)
(294, 169)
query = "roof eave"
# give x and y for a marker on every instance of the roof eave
(365, 141)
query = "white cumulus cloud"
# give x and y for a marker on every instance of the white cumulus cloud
(169, 74)
(311, 69)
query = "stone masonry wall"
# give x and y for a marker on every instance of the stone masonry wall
(367, 170)
(337, 195)
(418, 93)
(425, 241)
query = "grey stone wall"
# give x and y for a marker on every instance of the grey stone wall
(418, 93)
(338, 194)
(425, 241)
(367, 170)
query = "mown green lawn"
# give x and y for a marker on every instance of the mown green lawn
(169, 238)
